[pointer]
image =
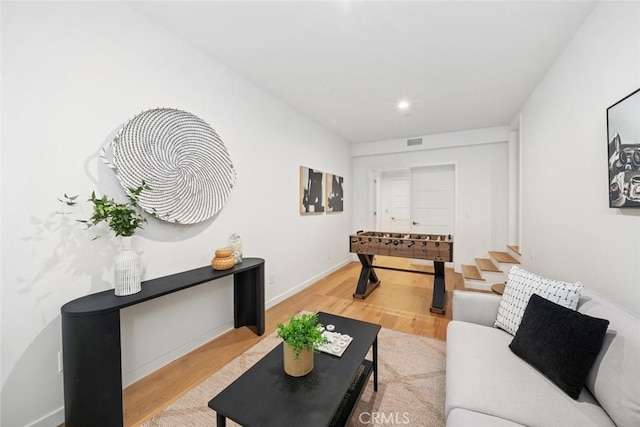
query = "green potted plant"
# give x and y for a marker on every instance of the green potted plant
(123, 219)
(302, 334)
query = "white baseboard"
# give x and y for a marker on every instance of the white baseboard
(54, 418)
(283, 296)
(130, 377)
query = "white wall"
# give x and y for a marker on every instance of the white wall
(566, 221)
(480, 159)
(513, 189)
(72, 73)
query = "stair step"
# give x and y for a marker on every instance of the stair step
(485, 264)
(503, 257)
(471, 272)
(515, 249)
(476, 285)
(495, 276)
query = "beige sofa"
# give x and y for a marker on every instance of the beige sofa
(488, 385)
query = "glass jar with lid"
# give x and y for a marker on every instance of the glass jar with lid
(236, 246)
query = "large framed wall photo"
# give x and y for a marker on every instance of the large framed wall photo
(311, 191)
(623, 133)
(335, 193)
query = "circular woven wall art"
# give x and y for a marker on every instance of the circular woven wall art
(181, 158)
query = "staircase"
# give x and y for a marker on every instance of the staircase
(488, 271)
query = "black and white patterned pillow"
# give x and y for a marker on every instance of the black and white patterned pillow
(521, 285)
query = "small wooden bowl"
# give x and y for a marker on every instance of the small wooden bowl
(223, 252)
(222, 263)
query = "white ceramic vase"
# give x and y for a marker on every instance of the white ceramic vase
(127, 270)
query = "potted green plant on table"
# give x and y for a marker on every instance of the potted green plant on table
(123, 219)
(302, 334)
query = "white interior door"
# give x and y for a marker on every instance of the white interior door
(432, 199)
(400, 205)
(394, 209)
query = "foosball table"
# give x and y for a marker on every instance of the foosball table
(434, 247)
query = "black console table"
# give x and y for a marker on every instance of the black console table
(91, 337)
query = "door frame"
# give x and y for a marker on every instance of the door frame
(374, 197)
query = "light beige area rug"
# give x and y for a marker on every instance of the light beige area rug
(410, 386)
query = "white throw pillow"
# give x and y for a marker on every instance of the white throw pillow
(521, 285)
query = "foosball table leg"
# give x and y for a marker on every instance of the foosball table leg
(368, 280)
(438, 300)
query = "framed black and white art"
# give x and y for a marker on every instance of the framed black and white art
(623, 133)
(311, 191)
(335, 193)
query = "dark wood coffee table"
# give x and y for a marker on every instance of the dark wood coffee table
(266, 396)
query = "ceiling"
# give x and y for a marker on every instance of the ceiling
(346, 64)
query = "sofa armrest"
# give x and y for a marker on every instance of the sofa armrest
(475, 307)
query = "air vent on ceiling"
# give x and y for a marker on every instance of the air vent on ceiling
(414, 141)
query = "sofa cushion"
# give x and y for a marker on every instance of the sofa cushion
(459, 417)
(560, 342)
(521, 284)
(475, 307)
(615, 377)
(483, 375)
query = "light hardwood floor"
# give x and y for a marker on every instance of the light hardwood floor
(401, 302)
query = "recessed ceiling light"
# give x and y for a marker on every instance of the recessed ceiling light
(403, 105)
